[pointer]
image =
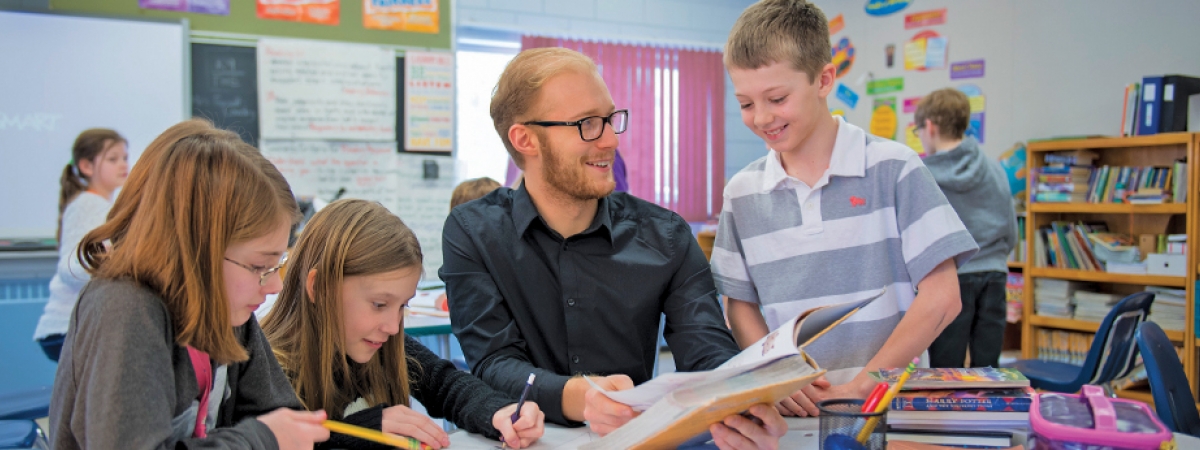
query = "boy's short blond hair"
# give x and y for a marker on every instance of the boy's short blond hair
(947, 108)
(520, 86)
(472, 189)
(790, 31)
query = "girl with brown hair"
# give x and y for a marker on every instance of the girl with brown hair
(337, 329)
(163, 350)
(99, 165)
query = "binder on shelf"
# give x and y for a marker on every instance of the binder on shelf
(1176, 90)
(1150, 103)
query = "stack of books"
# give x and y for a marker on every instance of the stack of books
(1168, 309)
(1093, 306)
(1062, 184)
(1053, 297)
(977, 407)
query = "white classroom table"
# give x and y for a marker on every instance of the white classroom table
(803, 434)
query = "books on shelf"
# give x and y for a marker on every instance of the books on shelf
(1093, 306)
(955, 378)
(1054, 297)
(1011, 399)
(1070, 178)
(1063, 346)
(1018, 252)
(1169, 308)
(678, 406)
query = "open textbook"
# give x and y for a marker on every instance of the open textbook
(678, 406)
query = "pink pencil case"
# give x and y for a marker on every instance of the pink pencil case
(1092, 421)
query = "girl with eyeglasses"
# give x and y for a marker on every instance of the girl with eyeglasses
(163, 350)
(337, 329)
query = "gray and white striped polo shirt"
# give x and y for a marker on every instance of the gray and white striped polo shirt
(875, 219)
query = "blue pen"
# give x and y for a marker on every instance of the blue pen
(525, 393)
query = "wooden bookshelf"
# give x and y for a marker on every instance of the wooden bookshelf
(1109, 208)
(1106, 277)
(1086, 326)
(1182, 217)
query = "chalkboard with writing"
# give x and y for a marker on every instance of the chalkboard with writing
(225, 88)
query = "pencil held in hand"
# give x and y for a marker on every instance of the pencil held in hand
(403, 442)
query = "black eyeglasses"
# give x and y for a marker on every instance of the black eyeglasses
(261, 271)
(590, 128)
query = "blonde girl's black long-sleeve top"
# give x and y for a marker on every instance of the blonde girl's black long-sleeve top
(445, 391)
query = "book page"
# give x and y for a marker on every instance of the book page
(640, 398)
(821, 319)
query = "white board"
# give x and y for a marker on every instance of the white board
(322, 90)
(319, 169)
(60, 75)
(423, 203)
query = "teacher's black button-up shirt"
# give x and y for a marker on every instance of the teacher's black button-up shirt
(525, 300)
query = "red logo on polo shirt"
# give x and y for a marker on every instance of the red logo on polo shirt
(857, 201)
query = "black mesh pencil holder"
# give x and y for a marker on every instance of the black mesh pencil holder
(842, 421)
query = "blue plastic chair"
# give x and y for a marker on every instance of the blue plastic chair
(18, 410)
(1113, 353)
(1173, 400)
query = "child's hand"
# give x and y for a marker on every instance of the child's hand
(526, 430)
(803, 403)
(295, 429)
(403, 421)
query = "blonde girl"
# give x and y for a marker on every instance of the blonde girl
(337, 329)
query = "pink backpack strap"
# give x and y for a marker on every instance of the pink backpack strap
(204, 379)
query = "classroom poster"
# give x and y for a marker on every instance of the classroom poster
(847, 95)
(836, 24)
(428, 182)
(975, 127)
(885, 86)
(429, 101)
(217, 7)
(967, 69)
(926, 50)
(419, 16)
(324, 12)
(325, 90)
(843, 57)
(910, 104)
(883, 118)
(925, 19)
(911, 139)
(885, 7)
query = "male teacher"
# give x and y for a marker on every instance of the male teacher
(562, 277)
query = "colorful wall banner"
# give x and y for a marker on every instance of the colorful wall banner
(836, 24)
(911, 139)
(967, 69)
(883, 118)
(975, 127)
(324, 12)
(885, 7)
(925, 19)
(217, 7)
(926, 50)
(429, 101)
(420, 16)
(847, 95)
(884, 86)
(910, 104)
(843, 57)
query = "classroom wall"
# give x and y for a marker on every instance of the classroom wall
(1053, 68)
(703, 23)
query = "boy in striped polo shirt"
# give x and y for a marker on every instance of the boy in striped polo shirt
(830, 215)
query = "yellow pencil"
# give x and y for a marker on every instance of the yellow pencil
(405, 443)
(887, 400)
